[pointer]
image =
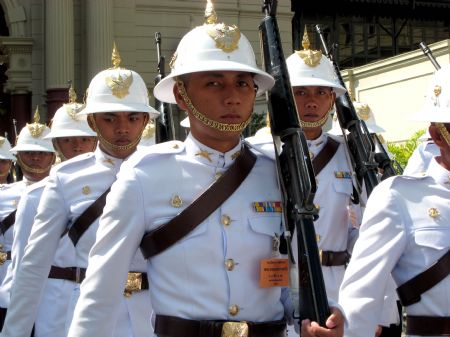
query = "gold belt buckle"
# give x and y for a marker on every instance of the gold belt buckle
(3, 257)
(235, 329)
(134, 284)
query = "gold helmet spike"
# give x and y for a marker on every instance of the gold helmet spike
(115, 57)
(210, 13)
(36, 128)
(310, 57)
(72, 94)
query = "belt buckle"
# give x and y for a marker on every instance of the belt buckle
(321, 256)
(235, 329)
(3, 257)
(134, 284)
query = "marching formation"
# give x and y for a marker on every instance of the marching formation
(292, 231)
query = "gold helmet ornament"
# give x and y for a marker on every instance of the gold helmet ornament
(310, 68)
(32, 137)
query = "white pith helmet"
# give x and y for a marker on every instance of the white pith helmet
(365, 114)
(310, 68)
(32, 137)
(67, 122)
(212, 47)
(5, 148)
(437, 99)
(118, 90)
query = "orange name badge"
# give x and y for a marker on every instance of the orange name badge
(274, 273)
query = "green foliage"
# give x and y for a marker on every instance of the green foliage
(402, 151)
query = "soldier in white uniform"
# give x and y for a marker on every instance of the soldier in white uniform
(421, 157)
(118, 109)
(315, 88)
(405, 231)
(206, 281)
(6, 160)
(35, 155)
(71, 136)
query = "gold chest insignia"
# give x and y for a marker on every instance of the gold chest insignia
(36, 129)
(226, 37)
(204, 154)
(86, 190)
(433, 212)
(176, 201)
(120, 85)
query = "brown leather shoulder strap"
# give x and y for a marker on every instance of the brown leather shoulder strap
(324, 156)
(410, 291)
(168, 234)
(7, 222)
(89, 215)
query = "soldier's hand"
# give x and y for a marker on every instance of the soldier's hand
(334, 326)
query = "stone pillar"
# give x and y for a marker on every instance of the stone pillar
(59, 52)
(19, 83)
(99, 35)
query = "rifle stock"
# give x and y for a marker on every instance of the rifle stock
(164, 128)
(295, 173)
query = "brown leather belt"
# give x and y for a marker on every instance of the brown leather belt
(331, 259)
(136, 281)
(427, 326)
(170, 326)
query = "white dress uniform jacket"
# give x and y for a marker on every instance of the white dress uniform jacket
(71, 188)
(213, 272)
(398, 237)
(9, 199)
(421, 158)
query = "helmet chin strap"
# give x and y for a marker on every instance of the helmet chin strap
(321, 121)
(444, 132)
(224, 127)
(30, 169)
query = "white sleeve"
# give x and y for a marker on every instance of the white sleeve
(121, 229)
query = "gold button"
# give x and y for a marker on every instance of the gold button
(229, 264)
(225, 220)
(233, 309)
(318, 237)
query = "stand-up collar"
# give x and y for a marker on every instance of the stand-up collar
(440, 174)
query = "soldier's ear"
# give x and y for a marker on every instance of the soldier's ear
(91, 122)
(436, 135)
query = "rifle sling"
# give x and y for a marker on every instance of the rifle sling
(324, 156)
(168, 234)
(7, 222)
(89, 215)
(410, 291)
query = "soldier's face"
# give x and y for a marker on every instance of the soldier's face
(120, 130)
(40, 163)
(5, 165)
(74, 146)
(313, 103)
(223, 96)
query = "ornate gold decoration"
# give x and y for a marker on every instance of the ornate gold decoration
(115, 57)
(73, 108)
(205, 120)
(235, 155)
(205, 154)
(210, 13)
(226, 37)
(120, 85)
(86, 190)
(444, 132)
(36, 129)
(108, 161)
(2, 141)
(234, 329)
(437, 91)
(310, 57)
(3, 257)
(433, 212)
(72, 94)
(149, 130)
(176, 201)
(363, 111)
(134, 284)
(316, 124)
(172, 60)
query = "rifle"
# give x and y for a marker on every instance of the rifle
(359, 142)
(17, 171)
(164, 128)
(427, 51)
(295, 174)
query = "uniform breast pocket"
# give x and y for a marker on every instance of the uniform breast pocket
(266, 225)
(433, 237)
(343, 186)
